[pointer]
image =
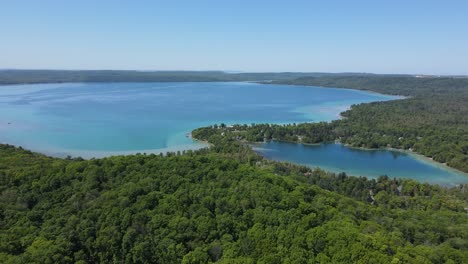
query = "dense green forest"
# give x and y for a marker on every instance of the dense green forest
(224, 204)
(433, 121)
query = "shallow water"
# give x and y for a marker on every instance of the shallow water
(359, 162)
(101, 119)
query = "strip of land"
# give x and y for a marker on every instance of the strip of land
(432, 120)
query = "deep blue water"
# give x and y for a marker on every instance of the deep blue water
(102, 119)
(358, 162)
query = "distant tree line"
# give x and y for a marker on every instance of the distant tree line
(63, 76)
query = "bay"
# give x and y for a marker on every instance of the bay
(104, 119)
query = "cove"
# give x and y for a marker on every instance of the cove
(103, 119)
(358, 162)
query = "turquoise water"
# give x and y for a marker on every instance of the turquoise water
(101, 119)
(358, 162)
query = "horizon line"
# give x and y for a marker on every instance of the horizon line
(233, 71)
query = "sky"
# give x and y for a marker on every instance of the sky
(412, 36)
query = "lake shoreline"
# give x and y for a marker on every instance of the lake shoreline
(416, 155)
(341, 88)
(402, 97)
(393, 163)
(284, 99)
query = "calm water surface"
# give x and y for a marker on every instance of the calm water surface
(358, 162)
(102, 119)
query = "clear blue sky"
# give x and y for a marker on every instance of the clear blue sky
(395, 36)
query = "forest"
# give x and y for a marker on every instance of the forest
(226, 204)
(223, 204)
(432, 120)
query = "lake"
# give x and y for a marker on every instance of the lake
(359, 162)
(103, 119)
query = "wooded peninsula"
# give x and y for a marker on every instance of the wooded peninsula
(432, 121)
